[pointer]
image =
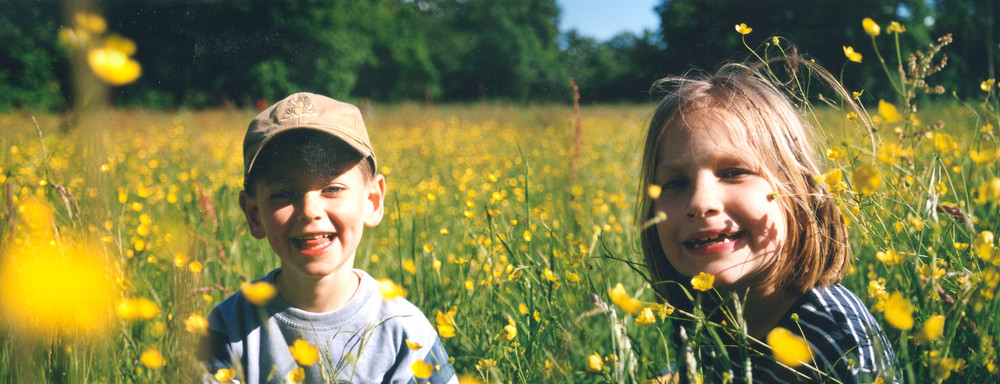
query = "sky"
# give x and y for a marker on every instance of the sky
(603, 19)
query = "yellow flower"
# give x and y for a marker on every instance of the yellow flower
(594, 363)
(90, 22)
(409, 266)
(259, 293)
(645, 317)
(623, 300)
(851, 116)
(422, 369)
(304, 353)
(983, 245)
(871, 28)
(486, 364)
(413, 345)
(446, 323)
(152, 359)
(297, 375)
(987, 84)
(851, 55)
(866, 180)
(890, 257)
(654, 191)
(789, 348)
(988, 191)
(857, 95)
(743, 29)
(889, 112)
(225, 375)
(834, 181)
(891, 153)
(549, 275)
(509, 332)
(196, 324)
(899, 311)
(389, 289)
(960, 246)
(703, 281)
(113, 65)
(195, 266)
(933, 329)
(895, 27)
(836, 152)
(137, 309)
(983, 157)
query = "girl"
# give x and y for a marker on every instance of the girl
(735, 170)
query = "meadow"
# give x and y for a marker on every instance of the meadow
(510, 226)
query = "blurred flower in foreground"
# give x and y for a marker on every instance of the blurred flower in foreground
(389, 289)
(622, 299)
(113, 63)
(259, 293)
(866, 180)
(196, 323)
(137, 309)
(422, 369)
(703, 281)
(899, 311)
(594, 363)
(225, 375)
(889, 112)
(789, 348)
(933, 329)
(851, 55)
(871, 27)
(297, 375)
(304, 353)
(152, 359)
(48, 287)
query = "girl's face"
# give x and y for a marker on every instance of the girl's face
(719, 218)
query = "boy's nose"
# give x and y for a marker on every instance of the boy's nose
(311, 207)
(704, 199)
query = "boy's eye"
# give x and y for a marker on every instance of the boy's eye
(333, 189)
(282, 194)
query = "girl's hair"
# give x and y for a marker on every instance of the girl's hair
(815, 251)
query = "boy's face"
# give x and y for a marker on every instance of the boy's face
(312, 206)
(719, 218)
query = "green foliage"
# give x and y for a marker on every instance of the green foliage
(31, 62)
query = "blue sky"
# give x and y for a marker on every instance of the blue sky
(603, 19)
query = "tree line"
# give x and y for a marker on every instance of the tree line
(204, 53)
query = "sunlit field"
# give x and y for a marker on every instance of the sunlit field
(510, 226)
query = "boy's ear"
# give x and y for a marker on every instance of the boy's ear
(249, 206)
(375, 207)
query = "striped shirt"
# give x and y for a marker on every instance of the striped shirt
(848, 344)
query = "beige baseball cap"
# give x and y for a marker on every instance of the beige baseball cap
(307, 111)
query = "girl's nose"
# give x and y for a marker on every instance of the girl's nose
(704, 199)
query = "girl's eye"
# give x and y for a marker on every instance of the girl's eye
(735, 172)
(674, 183)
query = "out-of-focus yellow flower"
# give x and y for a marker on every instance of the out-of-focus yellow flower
(304, 353)
(988, 191)
(623, 300)
(389, 289)
(645, 317)
(889, 112)
(866, 180)
(446, 323)
(422, 369)
(933, 329)
(548, 275)
(945, 143)
(112, 64)
(195, 266)
(890, 257)
(259, 293)
(225, 375)
(895, 27)
(890, 153)
(833, 179)
(409, 266)
(196, 323)
(653, 191)
(899, 311)
(851, 55)
(413, 345)
(509, 332)
(987, 84)
(857, 95)
(871, 27)
(836, 152)
(152, 359)
(743, 29)
(484, 364)
(983, 157)
(983, 246)
(703, 281)
(51, 288)
(297, 375)
(789, 348)
(594, 363)
(987, 128)
(960, 246)
(851, 116)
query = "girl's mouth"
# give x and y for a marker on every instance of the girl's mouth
(712, 240)
(312, 241)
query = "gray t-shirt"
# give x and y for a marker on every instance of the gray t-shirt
(362, 342)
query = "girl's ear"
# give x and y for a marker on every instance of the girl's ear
(374, 206)
(250, 210)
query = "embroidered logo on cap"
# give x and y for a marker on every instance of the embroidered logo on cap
(301, 107)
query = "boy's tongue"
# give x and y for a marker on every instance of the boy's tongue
(315, 241)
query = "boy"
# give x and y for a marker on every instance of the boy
(310, 188)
